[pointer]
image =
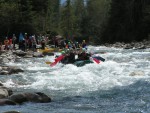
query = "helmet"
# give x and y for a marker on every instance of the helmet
(83, 49)
(63, 52)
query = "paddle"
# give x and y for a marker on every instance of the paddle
(48, 62)
(96, 60)
(57, 60)
(99, 58)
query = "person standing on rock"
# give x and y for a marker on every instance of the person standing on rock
(6, 43)
(14, 40)
(1, 46)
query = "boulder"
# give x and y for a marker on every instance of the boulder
(7, 70)
(30, 97)
(6, 102)
(38, 97)
(18, 98)
(3, 72)
(19, 53)
(5, 92)
(14, 70)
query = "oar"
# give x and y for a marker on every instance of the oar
(96, 60)
(57, 60)
(99, 58)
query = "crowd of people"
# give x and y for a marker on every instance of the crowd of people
(25, 42)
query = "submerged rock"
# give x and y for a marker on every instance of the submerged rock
(137, 73)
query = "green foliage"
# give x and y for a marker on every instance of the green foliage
(99, 20)
(126, 22)
(67, 20)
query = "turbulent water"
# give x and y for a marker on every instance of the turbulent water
(107, 87)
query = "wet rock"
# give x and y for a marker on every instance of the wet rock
(137, 73)
(5, 60)
(30, 97)
(7, 70)
(128, 46)
(5, 92)
(14, 70)
(18, 98)
(38, 54)
(38, 97)
(1, 84)
(3, 72)
(1, 69)
(6, 102)
(20, 53)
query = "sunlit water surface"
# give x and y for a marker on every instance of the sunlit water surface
(94, 88)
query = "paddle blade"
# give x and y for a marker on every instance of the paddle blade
(53, 64)
(96, 60)
(57, 60)
(48, 62)
(99, 58)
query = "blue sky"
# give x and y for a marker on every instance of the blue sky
(62, 1)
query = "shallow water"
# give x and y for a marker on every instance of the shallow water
(94, 88)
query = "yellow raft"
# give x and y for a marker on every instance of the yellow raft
(48, 50)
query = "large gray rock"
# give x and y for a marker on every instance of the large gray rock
(7, 70)
(6, 102)
(18, 98)
(30, 97)
(5, 92)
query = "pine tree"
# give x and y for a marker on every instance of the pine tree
(67, 20)
(79, 16)
(53, 14)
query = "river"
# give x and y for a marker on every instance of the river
(94, 88)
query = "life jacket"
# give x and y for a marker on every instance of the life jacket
(66, 46)
(6, 42)
(10, 41)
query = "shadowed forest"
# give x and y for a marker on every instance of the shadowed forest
(99, 21)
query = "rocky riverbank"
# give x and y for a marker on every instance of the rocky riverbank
(7, 96)
(133, 45)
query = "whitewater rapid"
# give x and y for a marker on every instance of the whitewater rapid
(63, 81)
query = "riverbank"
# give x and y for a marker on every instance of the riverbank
(132, 45)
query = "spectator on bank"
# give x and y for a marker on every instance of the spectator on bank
(14, 40)
(6, 43)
